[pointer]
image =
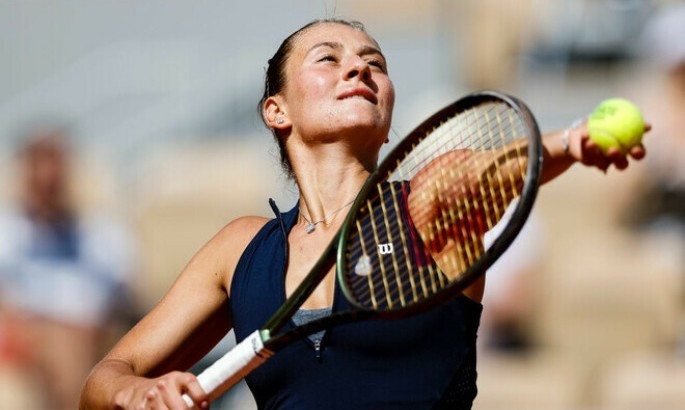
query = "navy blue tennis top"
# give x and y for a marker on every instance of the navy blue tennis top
(427, 361)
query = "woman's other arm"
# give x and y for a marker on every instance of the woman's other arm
(147, 365)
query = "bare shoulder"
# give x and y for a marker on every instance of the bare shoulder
(239, 232)
(232, 240)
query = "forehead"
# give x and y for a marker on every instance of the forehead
(331, 32)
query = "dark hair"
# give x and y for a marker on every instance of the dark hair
(274, 79)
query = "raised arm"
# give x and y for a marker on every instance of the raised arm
(453, 207)
(147, 366)
(559, 156)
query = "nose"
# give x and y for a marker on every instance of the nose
(357, 67)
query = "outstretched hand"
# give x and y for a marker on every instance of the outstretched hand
(586, 151)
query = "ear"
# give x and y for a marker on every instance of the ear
(274, 114)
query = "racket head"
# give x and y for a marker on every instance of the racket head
(385, 264)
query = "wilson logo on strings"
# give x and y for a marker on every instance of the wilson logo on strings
(385, 248)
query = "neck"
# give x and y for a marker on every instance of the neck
(328, 177)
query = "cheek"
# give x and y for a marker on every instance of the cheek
(310, 87)
(390, 98)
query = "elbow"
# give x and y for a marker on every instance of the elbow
(102, 388)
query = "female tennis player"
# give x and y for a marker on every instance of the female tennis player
(328, 100)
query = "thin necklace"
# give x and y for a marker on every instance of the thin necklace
(312, 225)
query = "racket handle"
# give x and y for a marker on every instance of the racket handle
(232, 367)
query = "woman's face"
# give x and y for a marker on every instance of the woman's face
(337, 84)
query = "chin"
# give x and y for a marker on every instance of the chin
(363, 120)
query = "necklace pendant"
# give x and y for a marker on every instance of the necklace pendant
(310, 228)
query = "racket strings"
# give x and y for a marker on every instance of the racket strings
(442, 230)
(405, 249)
(471, 178)
(433, 274)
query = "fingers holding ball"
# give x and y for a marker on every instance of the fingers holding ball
(616, 123)
(615, 130)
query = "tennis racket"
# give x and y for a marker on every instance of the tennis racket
(413, 238)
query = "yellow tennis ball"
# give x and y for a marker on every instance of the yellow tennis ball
(616, 122)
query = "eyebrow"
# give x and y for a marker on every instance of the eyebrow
(335, 45)
(331, 44)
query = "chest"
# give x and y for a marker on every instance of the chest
(305, 249)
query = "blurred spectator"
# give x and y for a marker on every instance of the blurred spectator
(63, 274)
(659, 210)
(664, 47)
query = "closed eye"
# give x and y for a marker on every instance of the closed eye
(376, 63)
(327, 58)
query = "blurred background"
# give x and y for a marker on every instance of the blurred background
(129, 135)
